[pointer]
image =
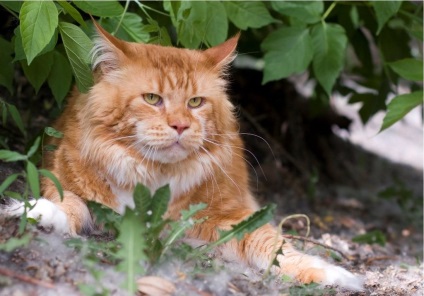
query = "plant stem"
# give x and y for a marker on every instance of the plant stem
(127, 3)
(328, 11)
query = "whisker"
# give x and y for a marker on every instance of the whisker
(219, 165)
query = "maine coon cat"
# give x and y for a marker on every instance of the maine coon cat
(160, 115)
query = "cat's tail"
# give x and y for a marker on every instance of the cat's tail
(46, 213)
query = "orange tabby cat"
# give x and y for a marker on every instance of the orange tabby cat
(160, 115)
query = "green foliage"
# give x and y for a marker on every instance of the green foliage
(16, 242)
(145, 236)
(372, 237)
(323, 38)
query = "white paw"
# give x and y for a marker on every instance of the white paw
(45, 212)
(339, 276)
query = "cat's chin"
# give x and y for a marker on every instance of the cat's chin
(171, 154)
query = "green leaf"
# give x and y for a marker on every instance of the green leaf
(6, 65)
(307, 11)
(384, 10)
(131, 27)
(372, 237)
(6, 183)
(288, 51)
(16, 242)
(12, 5)
(38, 22)
(132, 248)
(100, 8)
(248, 14)
(216, 23)
(253, 222)
(399, 106)
(16, 116)
(410, 69)
(72, 11)
(142, 201)
(54, 179)
(190, 23)
(60, 78)
(33, 180)
(329, 44)
(178, 228)
(39, 70)
(159, 204)
(78, 47)
(8, 156)
(34, 147)
(52, 132)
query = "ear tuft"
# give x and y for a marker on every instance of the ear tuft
(224, 53)
(108, 51)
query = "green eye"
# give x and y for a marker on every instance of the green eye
(195, 102)
(152, 99)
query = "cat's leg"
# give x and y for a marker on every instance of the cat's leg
(257, 249)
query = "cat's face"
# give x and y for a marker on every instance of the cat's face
(164, 103)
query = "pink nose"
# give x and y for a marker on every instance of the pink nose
(180, 127)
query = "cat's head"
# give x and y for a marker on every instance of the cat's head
(167, 104)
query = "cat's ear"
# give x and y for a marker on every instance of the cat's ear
(108, 51)
(224, 53)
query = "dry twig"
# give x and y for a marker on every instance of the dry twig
(24, 278)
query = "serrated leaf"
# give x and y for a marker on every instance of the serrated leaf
(60, 77)
(6, 65)
(55, 181)
(16, 116)
(33, 179)
(100, 8)
(250, 224)
(410, 69)
(132, 249)
(248, 14)
(6, 183)
(78, 47)
(52, 132)
(178, 228)
(142, 201)
(8, 156)
(38, 22)
(307, 11)
(329, 43)
(399, 106)
(71, 11)
(39, 70)
(288, 51)
(384, 10)
(159, 204)
(34, 147)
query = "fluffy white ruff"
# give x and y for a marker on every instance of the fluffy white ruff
(45, 212)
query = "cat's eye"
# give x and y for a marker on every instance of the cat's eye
(152, 99)
(195, 102)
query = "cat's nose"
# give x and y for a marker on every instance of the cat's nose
(180, 127)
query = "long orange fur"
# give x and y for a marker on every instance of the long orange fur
(114, 139)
